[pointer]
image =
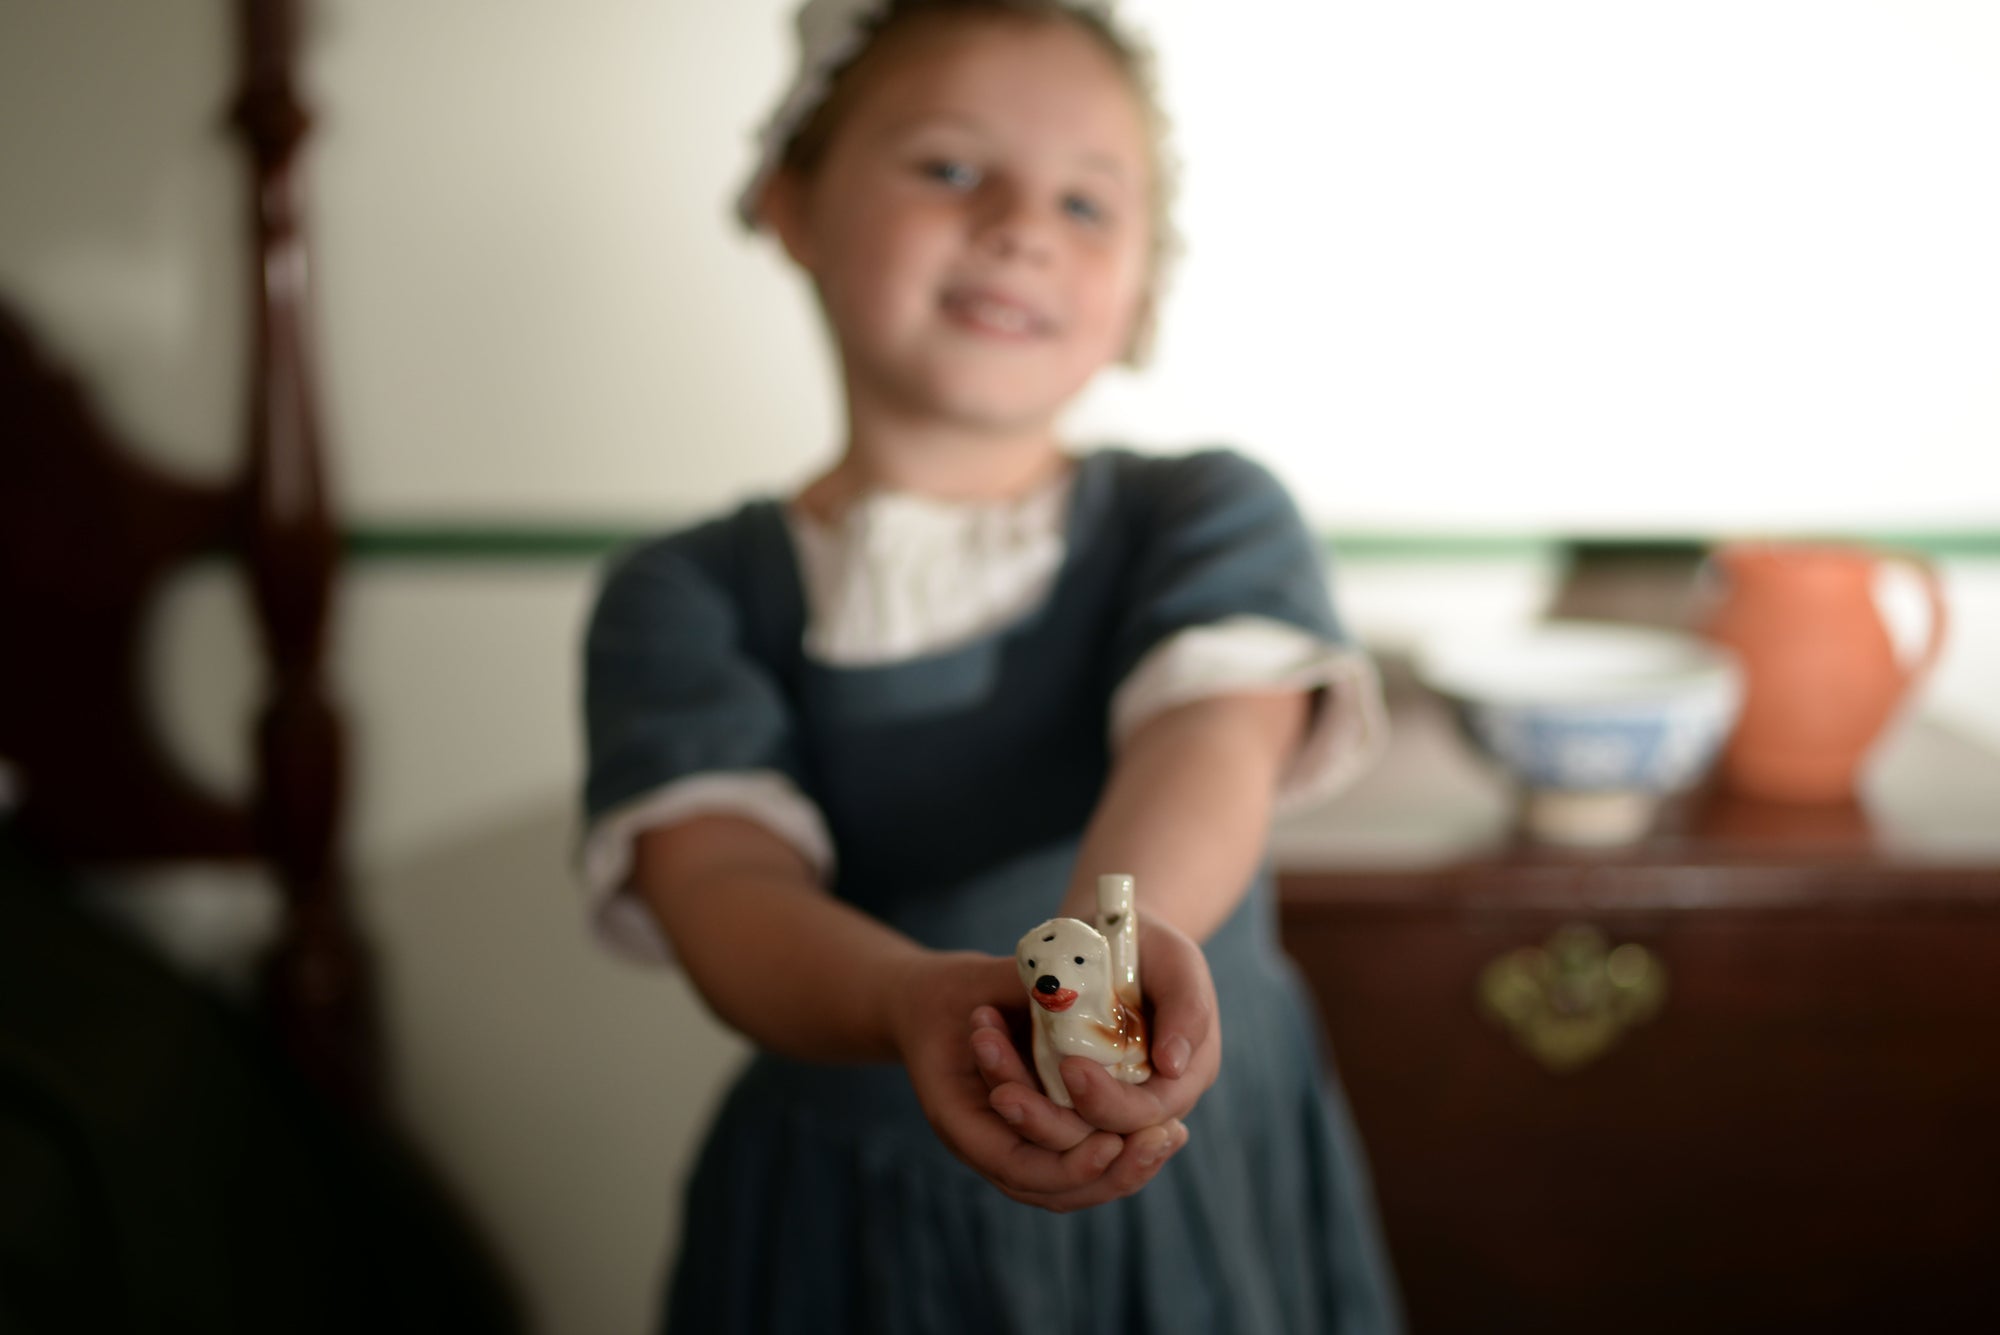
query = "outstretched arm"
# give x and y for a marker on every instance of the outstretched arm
(804, 974)
(1188, 808)
(794, 969)
(1186, 812)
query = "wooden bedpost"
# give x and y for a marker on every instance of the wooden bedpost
(317, 984)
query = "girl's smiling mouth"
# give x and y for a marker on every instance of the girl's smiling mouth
(986, 311)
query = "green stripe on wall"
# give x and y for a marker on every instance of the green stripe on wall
(483, 543)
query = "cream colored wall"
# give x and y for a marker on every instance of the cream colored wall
(562, 1090)
(1712, 266)
(1716, 267)
(531, 306)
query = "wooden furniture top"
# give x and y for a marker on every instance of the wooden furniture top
(1434, 824)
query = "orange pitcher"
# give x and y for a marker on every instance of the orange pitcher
(1822, 677)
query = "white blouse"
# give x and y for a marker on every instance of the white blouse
(900, 576)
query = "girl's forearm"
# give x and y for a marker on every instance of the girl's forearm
(1186, 811)
(1188, 808)
(794, 969)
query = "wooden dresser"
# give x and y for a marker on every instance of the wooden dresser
(1743, 1076)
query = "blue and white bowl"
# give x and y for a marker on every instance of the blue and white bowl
(1597, 721)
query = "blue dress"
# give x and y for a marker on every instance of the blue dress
(956, 787)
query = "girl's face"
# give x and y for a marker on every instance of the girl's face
(979, 228)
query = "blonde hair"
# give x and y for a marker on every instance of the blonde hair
(808, 145)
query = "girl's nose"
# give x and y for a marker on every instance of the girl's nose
(1013, 225)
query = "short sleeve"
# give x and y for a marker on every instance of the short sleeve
(1220, 539)
(1230, 594)
(680, 719)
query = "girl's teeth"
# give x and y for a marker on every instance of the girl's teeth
(1006, 319)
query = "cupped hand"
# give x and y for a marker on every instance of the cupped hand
(936, 995)
(1186, 1047)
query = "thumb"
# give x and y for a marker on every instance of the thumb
(1177, 984)
(995, 981)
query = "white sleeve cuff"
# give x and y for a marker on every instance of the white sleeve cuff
(625, 926)
(1350, 723)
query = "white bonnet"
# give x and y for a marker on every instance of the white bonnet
(830, 34)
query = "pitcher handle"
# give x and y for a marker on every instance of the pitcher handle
(1933, 588)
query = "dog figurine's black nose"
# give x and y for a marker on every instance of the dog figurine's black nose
(1048, 985)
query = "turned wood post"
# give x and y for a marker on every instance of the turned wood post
(317, 984)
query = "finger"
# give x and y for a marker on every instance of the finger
(978, 1136)
(1035, 1118)
(1015, 1093)
(945, 1074)
(999, 984)
(1183, 999)
(1030, 1170)
(1063, 1153)
(1144, 1156)
(1108, 1103)
(993, 1049)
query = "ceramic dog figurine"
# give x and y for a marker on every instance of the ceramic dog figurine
(1084, 981)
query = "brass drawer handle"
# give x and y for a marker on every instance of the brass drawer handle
(1569, 1001)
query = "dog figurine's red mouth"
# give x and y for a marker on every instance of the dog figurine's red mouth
(1057, 1001)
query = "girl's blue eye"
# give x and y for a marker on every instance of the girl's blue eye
(1082, 208)
(957, 175)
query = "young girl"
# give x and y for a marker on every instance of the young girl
(846, 747)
